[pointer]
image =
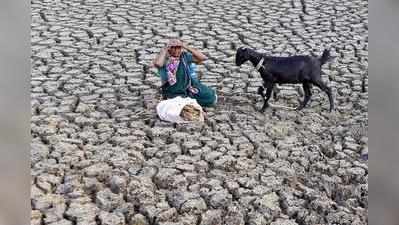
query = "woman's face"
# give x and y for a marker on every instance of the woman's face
(175, 51)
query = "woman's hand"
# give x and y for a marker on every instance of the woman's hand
(185, 46)
(198, 57)
(166, 48)
(160, 58)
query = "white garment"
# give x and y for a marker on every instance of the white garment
(170, 109)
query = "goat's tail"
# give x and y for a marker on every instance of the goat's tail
(325, 57)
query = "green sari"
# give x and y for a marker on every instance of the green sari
(205, 97)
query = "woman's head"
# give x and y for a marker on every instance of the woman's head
(175, 47)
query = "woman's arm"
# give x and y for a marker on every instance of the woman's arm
(159, 61)
(198, 57)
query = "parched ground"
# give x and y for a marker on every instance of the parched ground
(100, 155)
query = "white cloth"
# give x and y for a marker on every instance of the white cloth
(170, 109)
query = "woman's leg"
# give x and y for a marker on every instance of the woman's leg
(206, 96)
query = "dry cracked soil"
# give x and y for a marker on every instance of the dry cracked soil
(100, 155)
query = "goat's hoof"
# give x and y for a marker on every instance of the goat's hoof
(299, 108)
(262, 110)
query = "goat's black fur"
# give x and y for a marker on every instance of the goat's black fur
(287, 70)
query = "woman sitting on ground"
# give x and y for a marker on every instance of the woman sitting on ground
(175, 68)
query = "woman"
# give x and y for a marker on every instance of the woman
(174, 67)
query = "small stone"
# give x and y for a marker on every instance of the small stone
(269, 205)
(211, 217)
(256, 218)
(106, 200)
(268, 152)
(36, 217)
(99, 170)
(337, 147)
(164, 177)
(211, 156)
(186, 201)
(220, 199)
(112, 218)
(234, 216)
(44, 186)
(278, 132)
(82, 212)
(38, 152)
(186, 167)
(284, 222)
(62, 222)
(150, 211)
(352, 146)
(138, 219)
(141, 190)
(356, 173)
(195, 206)
(166, 215)
(117, 184)
(191, 145)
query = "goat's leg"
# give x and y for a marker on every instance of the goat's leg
(269, 90)
(326, 89)
(260, 91)
(308, 94)
(275, 91)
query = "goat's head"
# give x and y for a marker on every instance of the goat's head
(242, 55)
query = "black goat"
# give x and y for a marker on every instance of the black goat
(287, 70)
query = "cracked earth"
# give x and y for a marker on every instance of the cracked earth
(100, 155)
